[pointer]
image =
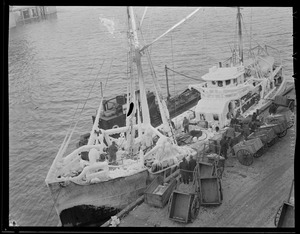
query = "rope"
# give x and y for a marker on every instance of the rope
(173, 68)
(69, 132)
(108, 73)
(53, 205)
(184, 75)
(66, 145)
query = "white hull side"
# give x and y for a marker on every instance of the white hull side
(116, 193)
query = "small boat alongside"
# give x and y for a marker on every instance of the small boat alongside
(114, 109)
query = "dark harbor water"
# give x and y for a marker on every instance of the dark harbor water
(54, 63)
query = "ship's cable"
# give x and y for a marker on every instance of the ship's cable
(55, 200)
(184, 75)
(67, 143)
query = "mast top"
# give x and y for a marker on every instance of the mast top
(239, 19)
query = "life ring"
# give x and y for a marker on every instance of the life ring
(115, 126)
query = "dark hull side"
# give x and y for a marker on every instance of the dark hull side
(93, 204)
(176, 106)
(87, 215)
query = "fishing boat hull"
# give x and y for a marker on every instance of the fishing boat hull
(82, 205)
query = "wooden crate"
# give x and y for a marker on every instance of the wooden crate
(210, 191)
(277, 127)
(287, 216)
(281, 100)
(180, 206)
(273, 119)
(159, 200)
(266, 135)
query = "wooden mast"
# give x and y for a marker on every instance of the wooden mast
(136, 47)
(239, 18)
(167, 80)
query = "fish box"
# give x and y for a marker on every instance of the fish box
(274, 119)
(277, 127)
(210, 191)
(287, 216)
(158, 193)
(180, 206)
(281, 101)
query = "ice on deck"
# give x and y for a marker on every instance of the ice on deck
(211, 106)
(223, 73)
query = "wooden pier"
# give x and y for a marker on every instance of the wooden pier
(252, 194)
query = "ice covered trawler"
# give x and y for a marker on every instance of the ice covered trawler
(86, 188)
(238, 87)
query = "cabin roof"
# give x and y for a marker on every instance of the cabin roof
(223, 73)
(211, 106)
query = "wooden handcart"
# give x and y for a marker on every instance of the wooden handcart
(211, 156)
(282, 101)
(285, 216)
(267, 136)
(247, 150)
(184, 207)
(280, 128)
(276, 119)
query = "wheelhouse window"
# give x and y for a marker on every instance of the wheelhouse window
(220, 83)
(235, 80)
(227, 82)
(213, 82)
(216, 117)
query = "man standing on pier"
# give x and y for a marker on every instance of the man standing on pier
(112, 150)
(184, 167)
(192, 165)
(185, 124)
(224, 146)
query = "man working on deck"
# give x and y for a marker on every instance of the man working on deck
(224, 146)
(192, 165)
(184, 167)
(185, 124)
(230, 133)
(112, 150)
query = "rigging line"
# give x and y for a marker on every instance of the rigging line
(82, 110)
(108, 73)
(78, 103)
(203, 31)
(173, 68)
(91, 89)
(251, 29)
(53, 205)
(72, 121)
(169, 30)
(246, 29)
(184, 75)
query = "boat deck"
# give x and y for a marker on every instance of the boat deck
(252, 194)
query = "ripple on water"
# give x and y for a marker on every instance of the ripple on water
(53, 64)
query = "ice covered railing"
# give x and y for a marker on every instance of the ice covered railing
(73, 168)
(166, 154)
